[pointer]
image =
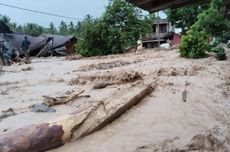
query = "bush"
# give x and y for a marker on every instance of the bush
(225, 37)
(220, 52)
(194, 44)
(216, 42)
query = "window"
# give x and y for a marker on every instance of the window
(163, 28)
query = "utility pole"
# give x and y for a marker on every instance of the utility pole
(158, 28)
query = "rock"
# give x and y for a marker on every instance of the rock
(42, 108)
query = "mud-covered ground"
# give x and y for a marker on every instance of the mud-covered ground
(189, 109)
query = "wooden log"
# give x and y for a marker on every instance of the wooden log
(105, 113)
(32, 138)
(45, 136)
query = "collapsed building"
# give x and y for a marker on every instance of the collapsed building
(43, 45)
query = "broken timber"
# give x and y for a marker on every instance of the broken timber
(49, 101)
(51, 135)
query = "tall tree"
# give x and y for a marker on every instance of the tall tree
(33, 29)
(71, 28)
(125, 24)
(19, 29)
(185, 17)
(118, 29)
(78, 28)
(210, 23)
(63, 28)
(5, 19)
(52, 29)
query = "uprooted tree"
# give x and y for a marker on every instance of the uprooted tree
(211, 23)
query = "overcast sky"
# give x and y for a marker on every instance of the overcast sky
(73, 8)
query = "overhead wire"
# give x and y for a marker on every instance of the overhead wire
(40, 12)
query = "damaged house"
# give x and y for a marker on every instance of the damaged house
(43, 45)
(162, 30)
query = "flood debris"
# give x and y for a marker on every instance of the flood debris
(211, 140)
(117, 77)
(208, 141)
(40, 46)
(184, 95)
(185, 92)
(50, 101)
(46, 136)
(178, 71)
(106, 65)
(39, 137)
(163, 146)
(112, 108)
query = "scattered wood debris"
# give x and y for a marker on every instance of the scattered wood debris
(107, 65)
(73, 126)
(50, 101)
(117, 77)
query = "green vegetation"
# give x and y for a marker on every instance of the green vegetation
(118, 28)
(210, 23)
(194, 44)
(185, 17)
(114, 32)
(35, 29)
(220, 52)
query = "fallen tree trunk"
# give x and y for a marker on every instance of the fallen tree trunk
(32, 138)
(85, 121)
(42, 137)
(109, 110)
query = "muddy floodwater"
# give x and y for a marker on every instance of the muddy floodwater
(163, 121)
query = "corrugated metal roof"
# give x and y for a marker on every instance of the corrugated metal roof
(60, 40)
(15, 41)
